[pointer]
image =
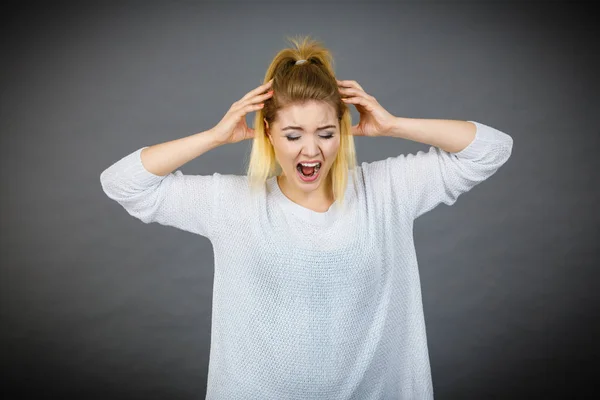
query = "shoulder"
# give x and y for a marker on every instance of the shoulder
(231, 180)
(229, 183)
(378, 172)
(384, 180)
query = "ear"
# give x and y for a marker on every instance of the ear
(267, 130)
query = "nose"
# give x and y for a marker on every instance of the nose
(311, 149)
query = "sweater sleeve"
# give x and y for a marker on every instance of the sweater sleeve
(421, 181)
(185, 202)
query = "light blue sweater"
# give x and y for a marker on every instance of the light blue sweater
(310, 305)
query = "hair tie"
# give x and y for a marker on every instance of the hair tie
(300, 62)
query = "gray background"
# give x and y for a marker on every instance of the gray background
(97, 304)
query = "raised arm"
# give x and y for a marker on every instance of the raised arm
(148, 186)
(164, 158)
(449, 135)
(462, 155)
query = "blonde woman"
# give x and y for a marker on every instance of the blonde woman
(316, 285)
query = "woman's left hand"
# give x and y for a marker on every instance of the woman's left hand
(374, 119)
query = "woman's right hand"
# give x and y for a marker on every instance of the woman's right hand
(233, 128)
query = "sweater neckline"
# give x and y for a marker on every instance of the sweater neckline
(315, 217)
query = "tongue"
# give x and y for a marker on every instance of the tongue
(307, 170)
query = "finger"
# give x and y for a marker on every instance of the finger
(250, 108)
(358, 100)
(261, 97)
(359, 93)
(254, 100)
(253, 107)
(244, 109)
(356, 92)
(349, 83)
(261, 89)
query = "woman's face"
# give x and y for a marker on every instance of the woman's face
(302, 133)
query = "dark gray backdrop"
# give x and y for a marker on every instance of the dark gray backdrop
(97, 304)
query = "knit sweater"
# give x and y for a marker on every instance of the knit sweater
(306, 304)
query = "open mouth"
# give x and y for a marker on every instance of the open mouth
(308, 171)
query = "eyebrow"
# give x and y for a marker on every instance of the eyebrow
(300, 128)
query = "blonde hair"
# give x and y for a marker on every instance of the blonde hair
(313, 80)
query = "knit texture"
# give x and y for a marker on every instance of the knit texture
(310, 305)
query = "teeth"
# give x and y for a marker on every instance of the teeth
(311, 164)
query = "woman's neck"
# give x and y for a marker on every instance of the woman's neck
(318, 200)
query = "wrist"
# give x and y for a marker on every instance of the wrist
(213, 137)
(398, 128)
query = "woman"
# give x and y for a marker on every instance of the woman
(316, 286)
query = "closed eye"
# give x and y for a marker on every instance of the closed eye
(290, 138)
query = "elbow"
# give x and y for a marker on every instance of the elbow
(507, 148)
(105, 182)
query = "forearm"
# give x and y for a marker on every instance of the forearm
(164, 158)
(449, 135)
